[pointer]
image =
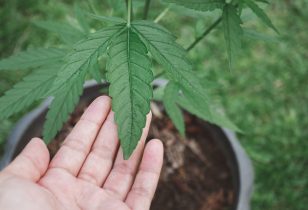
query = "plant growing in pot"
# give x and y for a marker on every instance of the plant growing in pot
(128, 46)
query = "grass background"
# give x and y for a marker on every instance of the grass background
(265, 94)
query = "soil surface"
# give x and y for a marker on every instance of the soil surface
(195, 174)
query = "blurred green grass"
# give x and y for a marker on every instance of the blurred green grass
(265, 94)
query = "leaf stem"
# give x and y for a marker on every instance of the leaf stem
(146, 9)
(204, 34)
(129, 12)
(162, 14)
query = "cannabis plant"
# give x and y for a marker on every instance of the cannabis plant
(129, 48)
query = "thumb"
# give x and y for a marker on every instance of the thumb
(32, 162)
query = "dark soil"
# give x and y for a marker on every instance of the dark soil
(195, 174)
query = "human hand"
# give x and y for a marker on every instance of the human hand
(88, 172)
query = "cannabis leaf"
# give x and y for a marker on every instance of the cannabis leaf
(32, 58)
(217, 116)
(170, 99)
(161, 44)
(168, 53)
(85, 54)
(261, 14)
(81, 18)
(67, 85)
(130, 77)
(67, 33)
(64, 102)
(175, 97)
(201, 5)
(95, 72)
(24, 93)
(263, 1)
(129, 46)
(172, 56)
(233, 31)
(251, 34)
(107, 19)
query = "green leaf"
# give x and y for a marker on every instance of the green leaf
(172, 56)
(130, 77)
(67, 33)
(258, 36)
(168, 53)
(30, 89)
(261, 14)
(32, 58)
(217, 116)
(198, 98)
(161, 44)
(95, 72)
(158, 93)
(221, 119)
(85, 54)
(68, 84)
(201, 5)
(263, 1)
(107, 19)
(116, 4)
(64, 102)
(233, 32)
(170, 98)
(81, 18)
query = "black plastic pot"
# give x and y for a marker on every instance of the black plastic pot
(242, 170)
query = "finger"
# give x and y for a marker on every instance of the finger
(101, 157)
(32, 162)
(77, 145)
(123, 173)
(144, 187)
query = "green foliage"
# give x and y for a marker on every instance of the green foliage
(261, 14)
(23, 94)
(202, 5)
(231, 19)
(62, 105)
(85, 54)
(107, 19)
(176, 97)
(170, 98)
(32, 58)
(130, 45)
(168, 53)
(81, 18)
(70, 78)
(251, 34)
(67, 33)
(172, 56)
(162, 46)
(130, 76)
(265, 95)
(215, 116)
(233, 32)
(95, 72)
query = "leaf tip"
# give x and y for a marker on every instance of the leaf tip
(127, 154)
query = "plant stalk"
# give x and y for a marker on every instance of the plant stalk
(129, 12)
(204, 34)
(162, 14)
(146, 9)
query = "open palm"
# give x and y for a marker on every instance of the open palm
(88, 172)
